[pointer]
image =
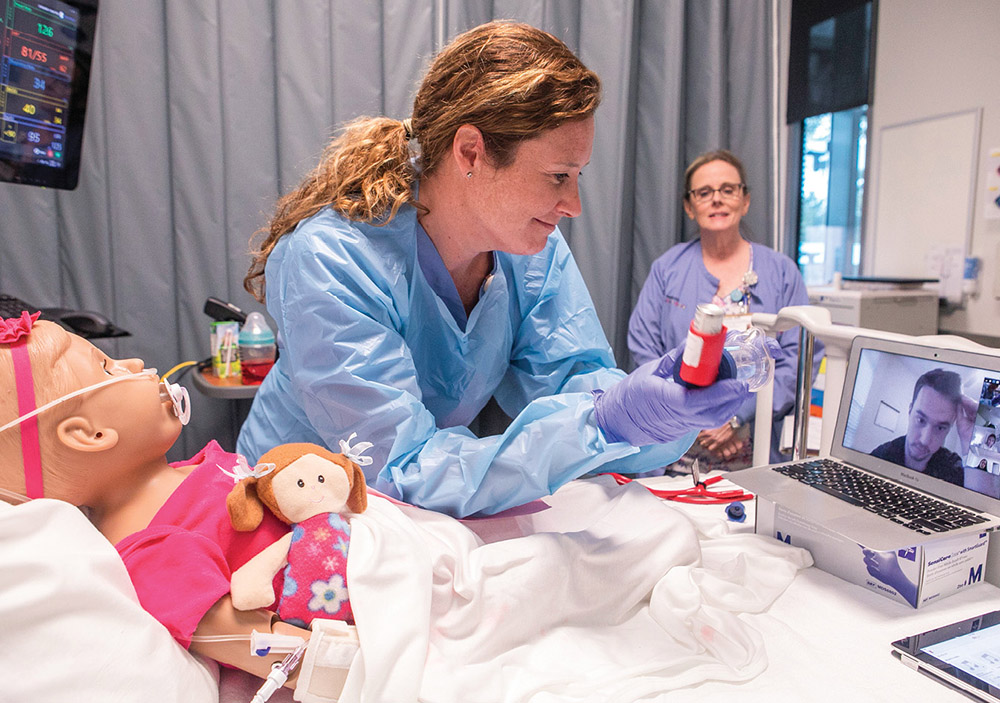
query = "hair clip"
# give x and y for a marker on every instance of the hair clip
(356, 453)
(242, 470)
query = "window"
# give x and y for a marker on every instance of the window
(828, 99)
(831, 190)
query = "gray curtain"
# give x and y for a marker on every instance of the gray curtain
(202, 112)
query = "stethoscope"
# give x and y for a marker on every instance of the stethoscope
(698, 494)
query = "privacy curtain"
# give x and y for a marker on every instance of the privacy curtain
(202, 112)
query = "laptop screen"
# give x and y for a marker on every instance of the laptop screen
(934, 412)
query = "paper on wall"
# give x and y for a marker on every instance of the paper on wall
(992, 200)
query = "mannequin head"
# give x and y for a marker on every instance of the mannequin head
(95, 444)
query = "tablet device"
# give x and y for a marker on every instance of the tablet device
(964, 655)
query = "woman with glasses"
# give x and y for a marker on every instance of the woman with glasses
(720, 266)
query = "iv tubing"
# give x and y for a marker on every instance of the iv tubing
(219, 638)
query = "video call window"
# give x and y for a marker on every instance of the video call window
(984, 453)
(925, 431)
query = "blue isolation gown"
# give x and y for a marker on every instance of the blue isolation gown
(368, 346)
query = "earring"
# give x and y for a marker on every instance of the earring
(469, 174)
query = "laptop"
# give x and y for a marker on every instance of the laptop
(881, 426)
(962, 655)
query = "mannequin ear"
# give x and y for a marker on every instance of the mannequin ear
(468, 148)
(79, 434)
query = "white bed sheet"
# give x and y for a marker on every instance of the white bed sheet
(620, 598)
(826, 640)
(71, 627)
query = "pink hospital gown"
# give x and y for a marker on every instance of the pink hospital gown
(315, 583)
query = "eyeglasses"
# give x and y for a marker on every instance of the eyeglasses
(728, 191)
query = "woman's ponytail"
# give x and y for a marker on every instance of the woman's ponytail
(366, 174)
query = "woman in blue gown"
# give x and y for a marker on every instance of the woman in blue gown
(411, 286)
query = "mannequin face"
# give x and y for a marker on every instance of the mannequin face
(120, 425)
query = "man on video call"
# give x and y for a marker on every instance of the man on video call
(937, 404)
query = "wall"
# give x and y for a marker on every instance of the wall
(935, 58)
(201, 113)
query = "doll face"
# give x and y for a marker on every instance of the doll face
(311, 485)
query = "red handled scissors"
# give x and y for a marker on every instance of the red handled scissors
(698, 494)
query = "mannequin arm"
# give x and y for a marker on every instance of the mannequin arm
(223, 619)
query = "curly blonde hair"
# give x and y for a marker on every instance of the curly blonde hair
(509, 80)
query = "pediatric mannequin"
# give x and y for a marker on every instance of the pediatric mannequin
(104, 451)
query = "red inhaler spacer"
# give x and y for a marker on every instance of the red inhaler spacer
(703, 349)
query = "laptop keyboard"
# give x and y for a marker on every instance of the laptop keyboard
(897, 503)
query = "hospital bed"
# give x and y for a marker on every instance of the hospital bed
(826, 640)
(70, 628)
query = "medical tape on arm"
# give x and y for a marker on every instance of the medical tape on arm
(332, 648)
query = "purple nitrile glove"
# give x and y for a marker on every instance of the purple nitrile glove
(649, 407)
(773, 347)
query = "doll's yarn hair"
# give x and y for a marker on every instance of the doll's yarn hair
(249, 497)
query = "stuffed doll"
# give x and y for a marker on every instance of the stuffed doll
(308, 487)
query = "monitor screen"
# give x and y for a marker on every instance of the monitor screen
(46, 47)
(930, 415)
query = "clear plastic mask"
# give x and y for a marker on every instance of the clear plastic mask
(751, 352)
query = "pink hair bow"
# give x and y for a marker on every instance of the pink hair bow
(13, 328)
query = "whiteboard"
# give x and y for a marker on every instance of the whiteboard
(925, 192)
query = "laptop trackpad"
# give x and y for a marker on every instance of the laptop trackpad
(825, 513)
